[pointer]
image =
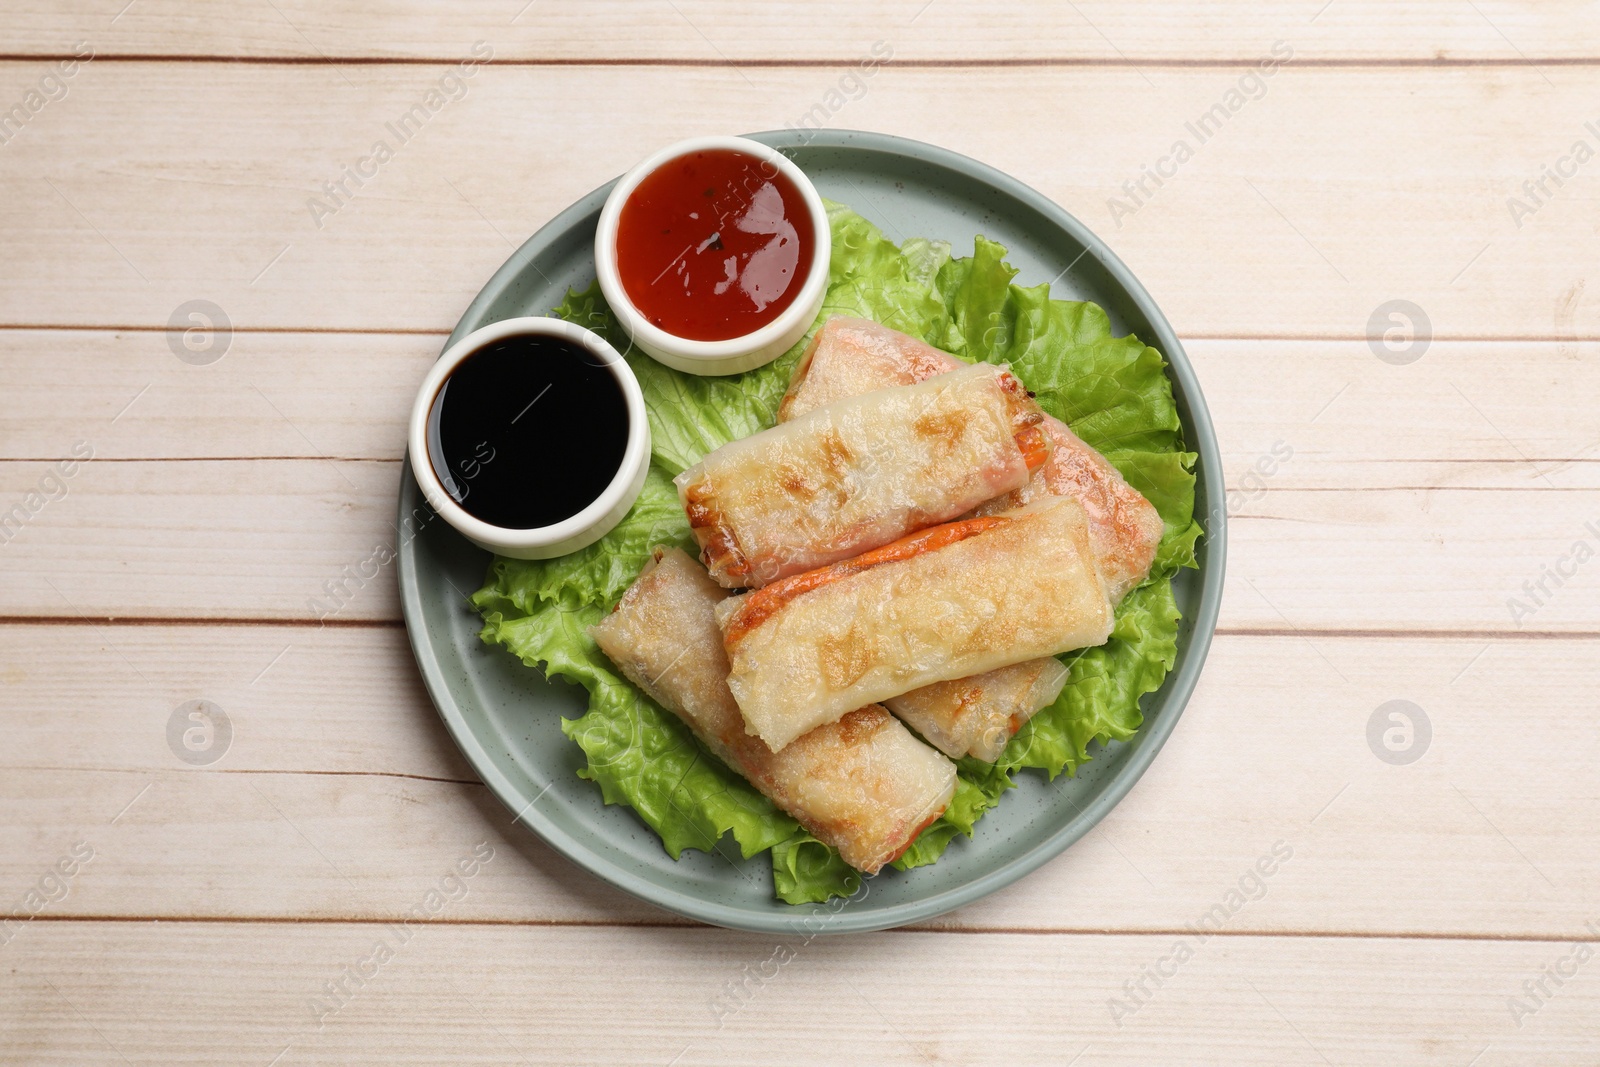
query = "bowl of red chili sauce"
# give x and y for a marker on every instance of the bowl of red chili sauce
(713, 254)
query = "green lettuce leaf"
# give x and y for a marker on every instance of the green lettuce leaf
(978, 788)
(805, 871)
(689, 414)
(638, 753)
(601, 573)
(1101, 698)
(1112, 391)
(644, 756)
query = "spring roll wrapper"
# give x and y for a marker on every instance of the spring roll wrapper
(1023, 588)
(850, 356)
(977, 716)
(863, 784)
(858, 474)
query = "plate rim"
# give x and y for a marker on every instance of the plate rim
(1200, 438)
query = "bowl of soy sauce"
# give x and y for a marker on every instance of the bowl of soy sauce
(529, 436)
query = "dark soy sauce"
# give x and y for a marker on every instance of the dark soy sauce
(528, 431)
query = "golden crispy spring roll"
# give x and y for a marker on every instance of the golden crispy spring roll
(862, 784)
(976, 716)
(860, 473)
(945, 603)
(850, 356)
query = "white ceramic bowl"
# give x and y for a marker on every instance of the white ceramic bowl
(570, 534)
(736, 353)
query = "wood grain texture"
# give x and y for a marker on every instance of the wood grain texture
(1339, 417)
(342, 796)
(152, 184)
(1383, 518)
(717, 31)
(268, 394)
(232, 993)
(1383, 473)
(259, 539)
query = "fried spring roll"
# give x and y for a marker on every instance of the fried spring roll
(860, 473)
(862, 784)
(945, 603)
(976, 716)
(851, 356)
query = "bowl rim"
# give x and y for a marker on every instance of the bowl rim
(612, 502)
(1195, 638)
(650, 336)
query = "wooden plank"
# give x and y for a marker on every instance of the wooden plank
(1337, 416)
(169, 182)
(1418, 900)
(1330, 415)
(720, 30)
(332, 735)
(259, 539)
(268, 394)
(255, 538)
(341, 796)
(232, 993)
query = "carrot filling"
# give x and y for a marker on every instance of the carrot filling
(695, 504)
(762, 604)
(1030, 434)
(929, 821)
(720, 552)
(1035, 446)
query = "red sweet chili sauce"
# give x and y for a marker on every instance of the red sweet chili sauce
(714, 244)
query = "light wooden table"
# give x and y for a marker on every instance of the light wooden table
(1428, 911)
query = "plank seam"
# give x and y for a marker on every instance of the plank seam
(428, 331)
(247, 459)
(198, 620)
(1438, 634)
(931, 63)
(1282, 489)
(145, 771)
(669, 924)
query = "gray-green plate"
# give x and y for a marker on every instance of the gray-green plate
(505, 715)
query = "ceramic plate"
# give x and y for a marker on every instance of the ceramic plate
(504, 715)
